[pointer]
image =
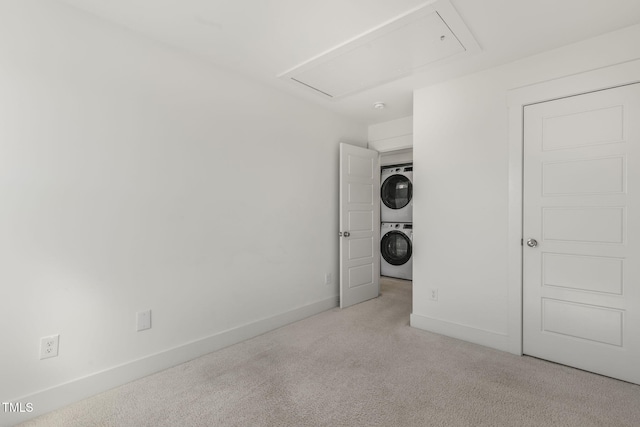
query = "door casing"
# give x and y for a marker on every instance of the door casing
(590, 81)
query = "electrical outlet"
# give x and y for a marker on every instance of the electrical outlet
(49, 346)
(143, 320)
(433, 294)
(328, 278)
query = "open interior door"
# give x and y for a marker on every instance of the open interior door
(359, 225)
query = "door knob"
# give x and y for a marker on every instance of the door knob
(346, 234)
(532, 243)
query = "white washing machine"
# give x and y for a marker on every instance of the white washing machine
(396, 250)
(396, 193)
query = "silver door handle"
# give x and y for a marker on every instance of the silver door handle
(532, 243)
(346, 234)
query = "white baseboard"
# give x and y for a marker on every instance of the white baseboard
(64, 394)
(463, 332)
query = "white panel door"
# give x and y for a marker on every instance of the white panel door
(581, 283)
(359, 225)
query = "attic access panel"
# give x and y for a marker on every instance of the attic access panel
(388, 52)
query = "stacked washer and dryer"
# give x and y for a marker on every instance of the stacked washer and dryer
(396, 216)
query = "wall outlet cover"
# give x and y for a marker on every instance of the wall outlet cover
(328, 278)
(49, 346)
(143, 320)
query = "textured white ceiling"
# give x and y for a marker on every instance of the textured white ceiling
(263, 38)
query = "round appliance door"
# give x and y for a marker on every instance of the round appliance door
(395, 248)
(396, 191)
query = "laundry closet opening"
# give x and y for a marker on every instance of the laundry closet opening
(396, 216)
(376, 238)
(394, 141)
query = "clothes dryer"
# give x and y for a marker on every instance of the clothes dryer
(396, 194)
(396, 250)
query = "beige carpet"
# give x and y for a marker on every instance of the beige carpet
(363, 366)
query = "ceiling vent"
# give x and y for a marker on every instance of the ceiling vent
(395, 49)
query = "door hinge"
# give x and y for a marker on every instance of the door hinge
(521, 242)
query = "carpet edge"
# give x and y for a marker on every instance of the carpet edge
(56, 397)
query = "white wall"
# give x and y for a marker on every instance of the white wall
(393, 139)
(134, 177)
(461, 188)
(396, 157)
(392, 135)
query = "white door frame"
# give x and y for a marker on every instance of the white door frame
(590, 81)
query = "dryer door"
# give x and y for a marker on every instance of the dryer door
(395, 248)
(396, 191)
